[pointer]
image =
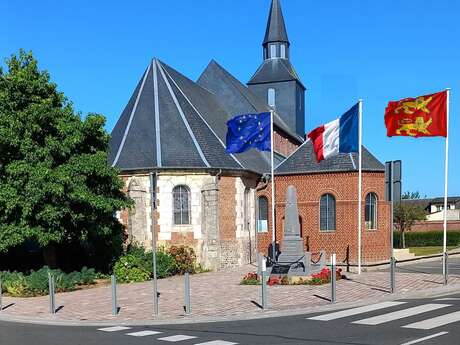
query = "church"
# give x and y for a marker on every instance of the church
(219, 203)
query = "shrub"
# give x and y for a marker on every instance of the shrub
(166, 265)
(184, 257)
(130, 268)
(36, 282)
(425, 239)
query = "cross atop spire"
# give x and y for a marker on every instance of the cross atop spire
(276, 29)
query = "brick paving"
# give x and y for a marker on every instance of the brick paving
(216, 294)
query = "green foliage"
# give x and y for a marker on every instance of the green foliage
(130, 269)
(36, 282)
(405, 215)
(426, 239)
(137, 264)
(411, 195)
(55, 184)
(185, 258)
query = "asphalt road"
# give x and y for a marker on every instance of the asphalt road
(381, 324)
(432, 267)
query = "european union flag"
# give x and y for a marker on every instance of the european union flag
(248, 131)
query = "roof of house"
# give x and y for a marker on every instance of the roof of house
(425, 203)
(172, 122)
(236, 98)
(303, 161)
(276, 29)
(275, 71)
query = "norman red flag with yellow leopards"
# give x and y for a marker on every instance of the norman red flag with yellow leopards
(423, 116)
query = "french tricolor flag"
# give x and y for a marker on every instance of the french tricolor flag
(338, 136)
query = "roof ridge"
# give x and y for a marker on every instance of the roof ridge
(202, 118)
(184, 119)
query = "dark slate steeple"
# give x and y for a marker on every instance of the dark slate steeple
(275, 35)
(275, 80)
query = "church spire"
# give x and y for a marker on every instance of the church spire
(276, 42)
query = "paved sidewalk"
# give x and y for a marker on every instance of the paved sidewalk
(212, 295)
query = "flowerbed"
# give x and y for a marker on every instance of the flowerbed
(322, 277)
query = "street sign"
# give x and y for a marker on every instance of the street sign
(393, 190)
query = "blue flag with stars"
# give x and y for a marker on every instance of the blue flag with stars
(248, 131)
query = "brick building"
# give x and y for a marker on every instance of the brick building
(216, 202)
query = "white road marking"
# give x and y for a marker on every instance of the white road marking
(400, 314)
(217, 342)
(448, 299)
(114, 329)
(355, 311)
(425, 338)
(143, 333)
(436, 321)
(176, 338)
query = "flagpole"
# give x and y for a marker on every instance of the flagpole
(446, 166)
(360, 181)
(273, 186)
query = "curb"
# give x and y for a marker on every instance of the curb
(421, 294)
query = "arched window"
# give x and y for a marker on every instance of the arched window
(181, 205)
(283, 51)
(371, 211)
(271, 97)
(327, 212)
(262, 222)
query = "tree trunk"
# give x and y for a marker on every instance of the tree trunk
(403, 239)
(50, 256)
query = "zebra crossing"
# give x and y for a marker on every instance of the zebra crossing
(162, 338)
(386, 314)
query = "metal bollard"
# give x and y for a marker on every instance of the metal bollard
(392, 274)
(446, 267)
(51, 293)
(114, 295)
(187, 306)
(333, 278)
(1, 305)
(264, 284)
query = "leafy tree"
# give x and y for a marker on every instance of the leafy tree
(411, 195)
(55, 184)
(407, 213)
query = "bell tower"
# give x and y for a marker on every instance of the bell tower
(276, 81)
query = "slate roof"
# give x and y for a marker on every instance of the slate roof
(303, 161)
(427, 202)
(273, 71)
(171, 122)
(276, 29)
(236, 98)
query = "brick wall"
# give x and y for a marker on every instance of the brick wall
(283, 145)
(344, 186)
(452, 225)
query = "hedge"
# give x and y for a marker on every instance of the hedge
(425, 239)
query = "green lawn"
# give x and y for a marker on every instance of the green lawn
(422, 251)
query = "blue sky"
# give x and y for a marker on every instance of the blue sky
(96, 52)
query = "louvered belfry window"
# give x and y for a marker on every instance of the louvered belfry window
(327, 212)
(181, 205)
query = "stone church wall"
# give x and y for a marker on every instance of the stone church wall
(222, 216)
(344, 186)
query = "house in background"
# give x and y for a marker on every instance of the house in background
(434, 208)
